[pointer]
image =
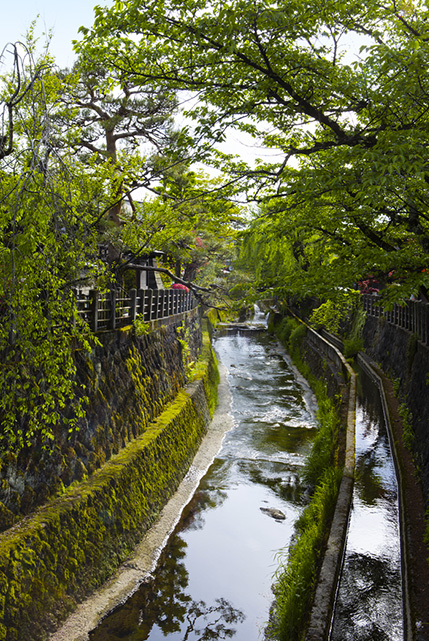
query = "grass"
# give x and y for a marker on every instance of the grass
(296, 576)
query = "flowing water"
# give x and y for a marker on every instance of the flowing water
(214, 577)
(369, 603)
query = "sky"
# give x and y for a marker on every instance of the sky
(63, 17)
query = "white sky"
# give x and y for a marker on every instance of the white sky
(63, 17)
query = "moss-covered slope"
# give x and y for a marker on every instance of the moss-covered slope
(70, 546)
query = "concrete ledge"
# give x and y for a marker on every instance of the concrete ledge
(321, 613)
(324, 599)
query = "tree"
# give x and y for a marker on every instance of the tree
(47, 215)
(193, 227)
(117, 123)
(352, 132)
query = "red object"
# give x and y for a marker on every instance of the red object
(179, 286)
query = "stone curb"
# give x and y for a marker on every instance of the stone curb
(321, 613)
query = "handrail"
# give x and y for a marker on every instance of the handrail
(113, 309)
(412, 315)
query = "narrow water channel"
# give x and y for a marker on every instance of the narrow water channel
(369, 603)
(214, 577)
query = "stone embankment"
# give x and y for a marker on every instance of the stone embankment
(55, 556)
(128, 380)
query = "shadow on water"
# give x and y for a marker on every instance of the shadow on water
(214, 577)
(369, 603)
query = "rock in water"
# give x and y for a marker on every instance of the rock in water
(274, 513)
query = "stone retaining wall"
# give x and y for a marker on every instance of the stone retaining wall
(67, 548)
(406, 360)
(129, 380)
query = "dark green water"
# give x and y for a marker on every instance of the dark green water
(214, 578)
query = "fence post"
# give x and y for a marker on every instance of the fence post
(426, 321)
(164, 303)
(423, 325)
(140, 302)
(155, 309)
(94, 297)
(149, 297)
(419, 320)
(133, 305)
(112, 319)
(170, 297)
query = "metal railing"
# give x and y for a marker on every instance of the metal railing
(114, 309)
(412, 315)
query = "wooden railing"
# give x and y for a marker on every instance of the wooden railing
(412, 315)
(113, 310)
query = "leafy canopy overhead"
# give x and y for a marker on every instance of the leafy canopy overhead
(70, 154)
(339, 89)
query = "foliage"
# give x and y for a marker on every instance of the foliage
(193, 227)
(353, 342)
(141, 326)
(345, 195)
(70, 153)
(330, 313)
(112, 122)
(46, 235)
(323, 452)
(296, 578)
(285, 328)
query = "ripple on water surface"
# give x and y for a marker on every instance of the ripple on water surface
(215, 576)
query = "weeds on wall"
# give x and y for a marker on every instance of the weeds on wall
(296, 576)
(353, 342)
(407, 422)
(183, 338)
(141, 326)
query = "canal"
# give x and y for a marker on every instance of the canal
(214, 577)
(369, 603)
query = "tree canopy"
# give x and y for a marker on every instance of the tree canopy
(339, 89)
(47, 235)
(336, 92)
(70, 154)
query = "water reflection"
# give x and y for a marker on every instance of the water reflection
(214, 579)
(369, 605)
(164, 608)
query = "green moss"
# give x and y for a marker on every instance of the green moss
(73, 544)
(296, 577)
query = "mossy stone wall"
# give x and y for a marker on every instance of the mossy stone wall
(129, 380)
(406, 361)
(50, 560)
